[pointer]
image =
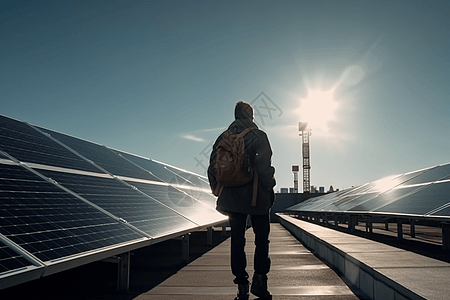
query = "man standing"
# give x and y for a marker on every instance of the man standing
(237, 202)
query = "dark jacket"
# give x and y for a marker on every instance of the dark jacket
(238, 199)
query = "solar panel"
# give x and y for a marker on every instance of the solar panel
(384, 199)
(124, 202)
(183, 202)
(431, 174)
(50, 223)
(11, 260)
(26, 144)
(445, 211)
(102, 156)
(191, 178)
(422, 201)
(65, 201)
(155, 168)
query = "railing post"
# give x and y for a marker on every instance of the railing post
(185, 247)
(369, 226)
(209, 236)
(399, 229)
(413, 228)
(351, 223)
(224, 229)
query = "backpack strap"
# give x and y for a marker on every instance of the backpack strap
(218, 190)
(244, 132)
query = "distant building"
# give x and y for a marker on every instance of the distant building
(292, 191)
(322, 189)
(331, 190)
(284, 190)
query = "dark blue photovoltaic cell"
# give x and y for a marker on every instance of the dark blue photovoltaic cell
(183, 202)
(208, 199)
(124, 202)
(421, 202)
(193, 179)
(26, 144)
(50, 223)
(442, 212)
(102, 156)
(432, 174)
(11, 260)
(157, 169)
(360, 200)
(384, 199)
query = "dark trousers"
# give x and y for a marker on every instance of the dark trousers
(261, 229)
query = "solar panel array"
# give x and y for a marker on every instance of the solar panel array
(63, 199)
(424, 193)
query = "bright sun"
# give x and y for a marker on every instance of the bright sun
(318, 109)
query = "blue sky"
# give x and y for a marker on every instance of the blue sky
(161, 78)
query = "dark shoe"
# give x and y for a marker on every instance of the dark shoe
(259, 287)
(242, 292)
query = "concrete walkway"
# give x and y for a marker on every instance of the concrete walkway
(295, 274)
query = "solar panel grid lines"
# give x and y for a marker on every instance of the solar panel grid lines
(49, 223)
(374, 189)
(27, 144)
(162, 172)
(65, 201)
(414, 180)
(426, 200)
(50, 180)
(13, 257)
(192, 178)
(101, 156)
(155, 168)
(196, 211)
(155, 199)
(389, 197)
(124, 202)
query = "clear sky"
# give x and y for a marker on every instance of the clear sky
(161, 78)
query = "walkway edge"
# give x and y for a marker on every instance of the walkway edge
(370, 280)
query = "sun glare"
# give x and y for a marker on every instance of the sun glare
(319, 109)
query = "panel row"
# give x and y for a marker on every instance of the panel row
(62, 196)
(422, 192)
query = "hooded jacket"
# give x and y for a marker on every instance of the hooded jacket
(238, 199)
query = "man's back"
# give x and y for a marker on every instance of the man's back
(236, 202)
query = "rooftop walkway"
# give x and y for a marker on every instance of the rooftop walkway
(295, 274)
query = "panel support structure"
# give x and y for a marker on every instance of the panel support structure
(446, 236)
(185, 247)
(123, 274)
(209, 236)
(399, 229)
(352, 220)
(413, 228)
(224, 229)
